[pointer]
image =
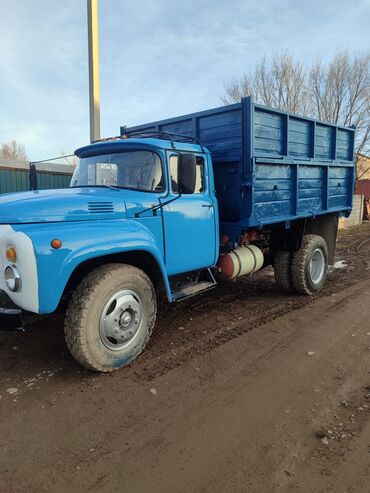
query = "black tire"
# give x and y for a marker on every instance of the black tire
(130, 292)
(282, 270)
(303, 280)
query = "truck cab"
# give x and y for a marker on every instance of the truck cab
(142, 208)
(166, 188)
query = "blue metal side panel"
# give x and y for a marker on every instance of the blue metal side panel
(324, 141)
(219, 129)
(345, 145)
(278, 134)
(340, 182)
(299, 138)
(310, 189)
(184, 127)
(222, 133)
(272, 191)
(269, 129)
(271, 166)
(296, 160)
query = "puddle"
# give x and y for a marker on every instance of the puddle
(339, 264)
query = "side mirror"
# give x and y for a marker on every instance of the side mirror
(187, 172)
(33, 177)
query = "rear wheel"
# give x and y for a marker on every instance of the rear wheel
(309, 265)
(282, 270)
(110, 317)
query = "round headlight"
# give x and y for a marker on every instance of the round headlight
(13, 278)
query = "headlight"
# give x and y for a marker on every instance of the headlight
(13, 278)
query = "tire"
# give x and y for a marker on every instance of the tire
(309, 265)
(110, 317)
(282, 270)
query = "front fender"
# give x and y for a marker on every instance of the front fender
(85, 241)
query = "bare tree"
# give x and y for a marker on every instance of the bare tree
(337, 92)
(13, 151)
(68, 159)
(362, 167)
(281, 84)
(340, 94)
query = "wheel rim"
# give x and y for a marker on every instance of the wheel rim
(121, 319)
(317, 266)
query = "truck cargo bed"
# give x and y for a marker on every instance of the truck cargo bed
(270, 166)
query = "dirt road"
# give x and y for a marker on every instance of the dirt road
(245, 389)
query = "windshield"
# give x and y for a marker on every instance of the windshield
(137, 170)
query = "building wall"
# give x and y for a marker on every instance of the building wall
(356, 215)
(363, 187)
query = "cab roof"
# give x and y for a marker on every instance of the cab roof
(121, 144)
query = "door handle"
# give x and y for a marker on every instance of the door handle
(207, 205)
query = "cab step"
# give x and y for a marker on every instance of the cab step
(192, 283)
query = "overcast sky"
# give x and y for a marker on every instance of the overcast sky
(158, 58)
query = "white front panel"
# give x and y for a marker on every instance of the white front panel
(27, 298)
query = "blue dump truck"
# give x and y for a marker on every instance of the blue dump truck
(167, 209)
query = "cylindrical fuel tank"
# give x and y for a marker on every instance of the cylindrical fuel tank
(244, 260)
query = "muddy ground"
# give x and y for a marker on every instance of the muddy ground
(243, 389)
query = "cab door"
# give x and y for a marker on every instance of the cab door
(189, 222)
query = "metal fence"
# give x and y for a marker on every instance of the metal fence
(14, 176)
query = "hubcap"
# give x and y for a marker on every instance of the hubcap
(317, 266)
(121, 319)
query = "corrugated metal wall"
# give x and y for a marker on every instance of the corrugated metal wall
(13, 180)
(14, 177)
(50, 180)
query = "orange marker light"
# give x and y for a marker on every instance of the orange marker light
(56, 244)
(11, 254)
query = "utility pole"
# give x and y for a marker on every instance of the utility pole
(92, 22)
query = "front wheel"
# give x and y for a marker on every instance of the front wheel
(110, 317)
(309, 265)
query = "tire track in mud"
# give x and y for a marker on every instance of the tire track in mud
(199, 325)
(356, 245)
(200, 335)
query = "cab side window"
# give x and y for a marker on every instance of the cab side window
(200, 185)
(174, 173)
